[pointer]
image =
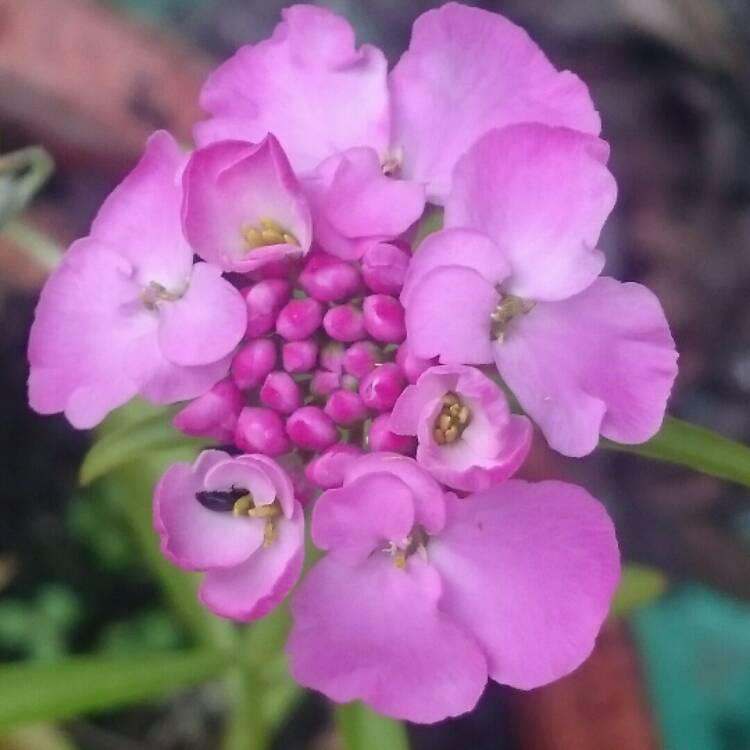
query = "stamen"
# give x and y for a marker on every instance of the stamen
(392, 161)
(415, 543)
(509, 307)
(453, 419)
(155, 293)
(269, 534)
(269, 232)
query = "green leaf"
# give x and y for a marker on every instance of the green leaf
(696, 448)
(130, 442)
(31, 693)
(362, 729)
(639, 586)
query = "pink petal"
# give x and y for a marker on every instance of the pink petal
(529, 570)
(282, 482)
(450, 247)
(428, 496)
(206, 323)
(375, 633)
(468, 71)
(88, 315)
(194, 537)
(601, 362)
(448, 316)
(543, 194)
(307, 84)
(253, 588)
(232, 185)
(363, 516)
(141, 217)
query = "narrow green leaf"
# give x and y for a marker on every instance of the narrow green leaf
(695, 447)
(52, 691)
(362, 729)
(128, 443)
(640, 585)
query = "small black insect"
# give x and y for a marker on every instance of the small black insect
(220, 500)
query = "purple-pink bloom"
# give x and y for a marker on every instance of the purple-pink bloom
(467, 437)
(513, 279)
(127, 312)
(236, 520)
(212, 415)
(423, 596)
(336, 97)
(243, 205)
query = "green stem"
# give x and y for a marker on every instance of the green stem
(245, 728)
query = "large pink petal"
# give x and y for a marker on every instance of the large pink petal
(88, 315)
(363, 516)
(375, 633)
(141, 217)
(252, 589)
(448, 316)
(307, 84)
(530, 570)
(601, 362)
(232, 185)
(455, 247)
(206, 323)
(543, 194)
(194, 537)
(468, 71)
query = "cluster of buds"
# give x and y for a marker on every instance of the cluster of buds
(355, 379)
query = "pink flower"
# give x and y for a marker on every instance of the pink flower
(467, 437)
(466, 72)
(423, 596)
(513, 279)
(127, 312)
(243, 206)
(237, 520)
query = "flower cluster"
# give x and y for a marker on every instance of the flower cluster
(357, 377)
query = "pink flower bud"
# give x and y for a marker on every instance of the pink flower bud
(332, 356)
(327, 469)
(299, 319)
(212, 415)
(361, 357)
(327, 278)
(384, 267)
(410, 365)
(380, 437)
(345, 408)
(264, 300)
(380, 388)
(299, 356)
(311, 428)
(253, 362)
(384, 318)
(344, 323)
(324, 383)
(261, 431)
(280, 392)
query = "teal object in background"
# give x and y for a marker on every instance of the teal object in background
(695, 645)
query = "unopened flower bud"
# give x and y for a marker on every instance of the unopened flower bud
(253, 362)
(280, 392)
(384, 267)
(410, 365)
(261, 431)
(212, 415)
(299, 356)
(311, 428)
(332, 356)
(380, 388)
(327, 469)
(344, 323)
(384, 318)
(345, 408)
(264, 300)
(327, 278)
(380, 437)
(324, 382)
(360, 358)
(299, 319)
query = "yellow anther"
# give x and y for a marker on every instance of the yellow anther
(265, 511)
(268, 232)
(269, 534)
(452, 420)
(243, 505)
(509, 307)
(399, 559)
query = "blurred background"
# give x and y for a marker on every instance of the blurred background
(89, 80)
